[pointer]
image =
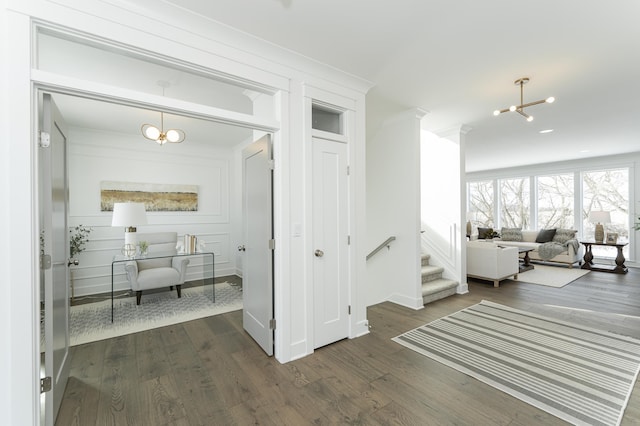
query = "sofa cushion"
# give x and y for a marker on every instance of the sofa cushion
(545, 235)
(484, 233)
(511, 234)
(519, 244)
(564, 235)
(529, 236)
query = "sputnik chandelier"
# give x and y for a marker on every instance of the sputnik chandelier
(159, 135)
(520, 108)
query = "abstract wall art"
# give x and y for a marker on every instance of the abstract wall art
(156, 197)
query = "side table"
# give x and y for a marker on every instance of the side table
(619, 268)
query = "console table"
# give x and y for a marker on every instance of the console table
(619, 268)
(121, 259)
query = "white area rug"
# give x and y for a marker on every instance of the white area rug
(579, 374)
(92, 322)
(551, 276)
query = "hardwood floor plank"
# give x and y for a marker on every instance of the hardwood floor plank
(162, 397)
(119, 402)
(210, 371)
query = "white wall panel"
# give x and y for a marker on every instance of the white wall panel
(96, 156)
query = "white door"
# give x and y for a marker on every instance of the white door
(257, 262)
(53, 214)
(330, 242)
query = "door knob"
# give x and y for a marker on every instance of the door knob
(319, 253)
(241, 248)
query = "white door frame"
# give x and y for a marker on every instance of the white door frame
(55, 88)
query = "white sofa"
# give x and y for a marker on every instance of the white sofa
(569, 256)
(488, 261)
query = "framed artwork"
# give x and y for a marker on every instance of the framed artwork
(156, 197)
(612, 238)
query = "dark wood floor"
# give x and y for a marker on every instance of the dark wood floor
(209, 372)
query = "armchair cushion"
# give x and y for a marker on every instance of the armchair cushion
(167, 271)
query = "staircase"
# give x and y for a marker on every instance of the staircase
(434, 287)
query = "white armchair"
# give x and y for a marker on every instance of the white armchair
(488, 261)
(159, 272)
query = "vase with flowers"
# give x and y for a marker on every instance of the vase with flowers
(79, 238)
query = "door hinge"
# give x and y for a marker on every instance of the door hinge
(45, 384)
(349, 309)
(348, 240)
(45, 140)
(272, 324)
(272, 244)
(348, 170)
(272, 164)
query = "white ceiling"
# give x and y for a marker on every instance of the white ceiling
(458, 60)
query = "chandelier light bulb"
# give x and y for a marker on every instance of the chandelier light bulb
(159, 135)
(152, 132)
(520, 108)
(173, 135)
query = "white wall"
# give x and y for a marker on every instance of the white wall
(96, 156)
(393, 203)
(5, 223)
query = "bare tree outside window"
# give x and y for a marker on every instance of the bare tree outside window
(515, 203)
(607, 190)
(481, 202)
(555, 201)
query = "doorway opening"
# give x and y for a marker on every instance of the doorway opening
(103, 142)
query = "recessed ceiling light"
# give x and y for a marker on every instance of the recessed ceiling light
(584, 151)
(546, 131)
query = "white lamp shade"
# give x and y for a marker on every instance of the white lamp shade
(128, 214)
(600, 217)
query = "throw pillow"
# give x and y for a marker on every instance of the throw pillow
(484, 233)
(545, 235)
(511, 234)
(564, 235)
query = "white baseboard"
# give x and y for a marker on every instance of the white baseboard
(406, 301)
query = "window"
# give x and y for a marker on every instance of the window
(555, 201)
(481, 202)
(562, 200)
(515, 203)
(606, 190)
(327, 120)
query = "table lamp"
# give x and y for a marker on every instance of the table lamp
(129, 215)
(599, 217)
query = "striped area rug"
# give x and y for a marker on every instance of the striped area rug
(581, 375)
